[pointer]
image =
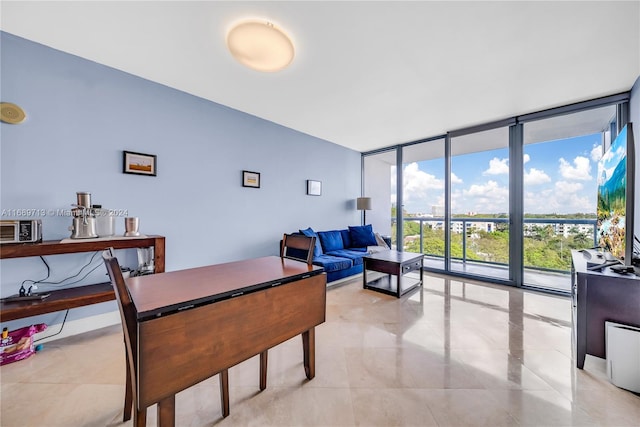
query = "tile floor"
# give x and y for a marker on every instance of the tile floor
(452, 354)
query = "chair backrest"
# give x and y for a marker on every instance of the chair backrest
(127, 311)
(298, 246)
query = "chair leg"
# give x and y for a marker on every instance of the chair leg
(128, 392)
(224, 392)
(263, 370)
(139, 417)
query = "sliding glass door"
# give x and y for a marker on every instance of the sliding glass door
(479, 222)
(423, 200)
(379, 176)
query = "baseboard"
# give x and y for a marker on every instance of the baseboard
(79, 326)
(344, 280)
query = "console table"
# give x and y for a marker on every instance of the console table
(67, 298)
(598, 296)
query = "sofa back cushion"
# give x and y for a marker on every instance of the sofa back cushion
(317, 250)
(331, 240)
(362, 236)
(346, 238)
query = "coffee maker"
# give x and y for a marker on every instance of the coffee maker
(84, 219)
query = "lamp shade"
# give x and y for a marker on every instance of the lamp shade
(363, 203)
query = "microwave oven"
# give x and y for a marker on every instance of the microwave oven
(20, 231)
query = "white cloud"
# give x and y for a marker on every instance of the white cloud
(535, 177)
(491, 187)
(455, 179)
(596, 153)
(565, 197)
(416, 179)
(526, 158)
(488, 197)
(497, 167)
(581, 169)
(457, 200)
(420, 188)
(565, 187)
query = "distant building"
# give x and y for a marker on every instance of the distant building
(565, 230)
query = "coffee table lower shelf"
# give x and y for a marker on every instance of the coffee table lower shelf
(388, 284)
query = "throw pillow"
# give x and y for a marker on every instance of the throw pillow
(317, 249)
(362, 236)
(331, 240)
(381, 241)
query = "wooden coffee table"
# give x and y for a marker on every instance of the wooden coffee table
(396, 265)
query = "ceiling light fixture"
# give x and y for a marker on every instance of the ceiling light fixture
(260, 45)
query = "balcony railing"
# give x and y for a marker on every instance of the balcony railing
(468, 227)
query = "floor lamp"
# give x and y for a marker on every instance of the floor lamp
(363, 204)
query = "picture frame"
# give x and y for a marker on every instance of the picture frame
(251, 179)
(139, 163)
(314, 188)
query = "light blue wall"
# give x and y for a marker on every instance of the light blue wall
(82, 115)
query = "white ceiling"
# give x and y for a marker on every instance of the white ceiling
(366, 74)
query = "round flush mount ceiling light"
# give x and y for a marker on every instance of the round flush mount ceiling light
(260, 45)
(11, 113)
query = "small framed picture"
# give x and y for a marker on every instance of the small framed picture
(250, 179)
(139, 163)
(314, 188)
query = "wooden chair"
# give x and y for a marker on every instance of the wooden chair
(129, 327)
(298, 246)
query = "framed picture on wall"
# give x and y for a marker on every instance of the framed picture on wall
(139, 163)
(314, 188)
(251, 179)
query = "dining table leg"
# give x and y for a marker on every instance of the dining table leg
(309, 351)
(224, 392)
(263, 369)
(167, 412)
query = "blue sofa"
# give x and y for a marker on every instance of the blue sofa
(340, 252)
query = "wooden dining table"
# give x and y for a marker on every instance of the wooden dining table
(197, 322)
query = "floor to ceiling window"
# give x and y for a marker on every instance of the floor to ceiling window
(560, 165)
(505, 202)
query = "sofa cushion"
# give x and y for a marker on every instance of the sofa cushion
(331, 240)
(317, 250)
(346, 238)
(362, 236)
(332, 263)
(354, 256)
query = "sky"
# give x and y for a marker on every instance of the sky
(559, 177)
